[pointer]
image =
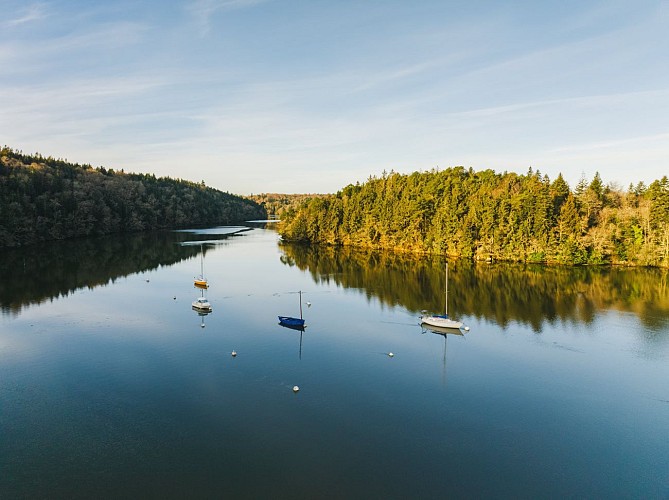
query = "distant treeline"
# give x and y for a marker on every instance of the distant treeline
(276, 204)
(49, 199)
(489, 216)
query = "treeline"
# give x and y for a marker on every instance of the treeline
(277, 204)
(52, 199)
(489, 216)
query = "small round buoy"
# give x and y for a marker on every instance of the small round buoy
(202, 325)
(234, 353)
(295, 388)
(390, 354)
(175, 297)
(147, 280)
(308, 304)
(466, 328)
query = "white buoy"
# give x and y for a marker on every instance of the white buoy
(295, 388)
(234, 353)
(466, 328)
(308, 304)
(390, 354)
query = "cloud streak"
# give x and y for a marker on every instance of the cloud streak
(320, 96)
(204, 10)
(31, 13)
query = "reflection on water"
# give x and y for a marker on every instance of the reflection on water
(298, 328)
(34, 274)
(443, 332)
(501, 293)
(118, 391)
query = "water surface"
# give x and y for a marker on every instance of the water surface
(110, 385)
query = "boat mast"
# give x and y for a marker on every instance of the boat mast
(300, 292)
(446, 294)
(201, 261)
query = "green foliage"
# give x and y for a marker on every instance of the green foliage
(489, 216)
(276, 204)
(47, 199)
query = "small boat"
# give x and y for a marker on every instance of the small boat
(441, 320)
(290, 321)
(440, 330)
(201, 281)
(202, 304)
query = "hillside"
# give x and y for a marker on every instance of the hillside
(489, 216)
(48, 199)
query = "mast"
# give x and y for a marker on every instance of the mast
(300, 292)
(201, 261)
(446, 294)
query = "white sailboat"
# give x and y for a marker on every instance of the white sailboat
(201, 304)
(441, 320)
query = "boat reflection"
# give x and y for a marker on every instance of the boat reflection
(299, 328)
(444, 332)
(202, 314)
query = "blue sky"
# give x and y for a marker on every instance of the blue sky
(287, 96)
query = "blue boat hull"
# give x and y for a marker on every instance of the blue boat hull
(290, 321)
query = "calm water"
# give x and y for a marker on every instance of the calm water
(110, 385)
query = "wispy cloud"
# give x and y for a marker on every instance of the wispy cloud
(638, 142)
(586, 101)
(34, 12)
(204, 10)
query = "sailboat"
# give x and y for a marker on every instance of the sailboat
(201, 281)
(290, 321)
(441, 320)
(201, 304)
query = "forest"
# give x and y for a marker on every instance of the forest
(52, 199)
(277, 204)
(484, 215)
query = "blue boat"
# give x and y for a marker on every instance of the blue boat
(291, 321)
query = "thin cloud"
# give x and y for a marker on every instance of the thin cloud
(581, 101)
(640, 142)
(204, 10)
(34, 12)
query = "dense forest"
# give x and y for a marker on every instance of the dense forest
(49, 199)
(484, 215)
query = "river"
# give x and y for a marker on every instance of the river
(112, 386)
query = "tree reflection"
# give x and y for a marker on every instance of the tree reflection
(33, 274)
(503, 293)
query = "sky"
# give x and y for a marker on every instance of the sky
(308, 96)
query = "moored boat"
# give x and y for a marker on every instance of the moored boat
(291, 321)
(202, 304)
(201, 281)
(441, 320)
